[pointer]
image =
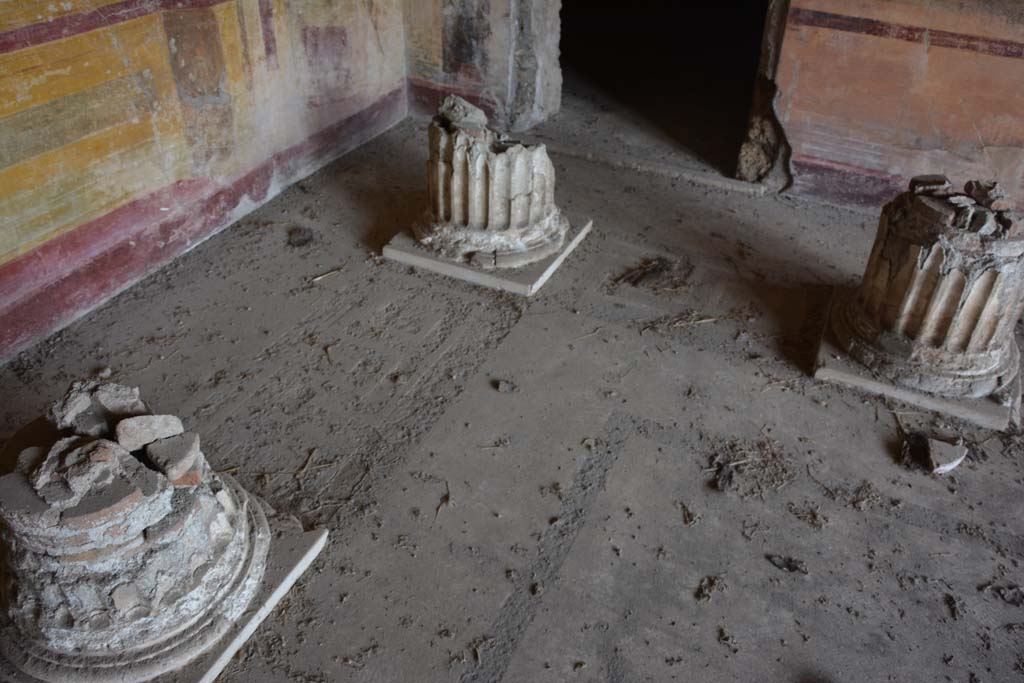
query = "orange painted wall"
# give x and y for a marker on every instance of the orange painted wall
(872, 92)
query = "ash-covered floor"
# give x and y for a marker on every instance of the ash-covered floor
(631, 510)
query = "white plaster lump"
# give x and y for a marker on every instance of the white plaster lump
(941, 293)
(492, 200)
(120, 563)
(135, 432)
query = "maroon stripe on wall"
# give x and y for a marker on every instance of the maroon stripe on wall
(843, 184)
(912, 34)
(425, 97)
(73, 24)
(847, 184)
(269, 39)
(68, 276)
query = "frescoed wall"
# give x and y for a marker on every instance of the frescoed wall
(873, 92)
(500, 54)
(130, 130)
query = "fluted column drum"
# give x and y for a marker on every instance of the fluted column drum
(941, 293)
(492, 201)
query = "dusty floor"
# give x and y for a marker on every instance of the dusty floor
(613, 518)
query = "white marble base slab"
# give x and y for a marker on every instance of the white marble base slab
(526, 280)
(834, 365)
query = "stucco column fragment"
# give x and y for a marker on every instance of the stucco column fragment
(941, 294)
(492, 200)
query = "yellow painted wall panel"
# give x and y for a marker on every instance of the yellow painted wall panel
(231, 42)
(73, 199)
(74, 158)
(144, 46)
(43, 73)
(19, 13)
(83, 62)
(174, 130)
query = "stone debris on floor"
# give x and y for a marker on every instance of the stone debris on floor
(126, 557)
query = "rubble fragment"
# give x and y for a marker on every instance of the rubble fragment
(727, 639)
(707, 586)
(175, 455)
(89, 407)
(931, 455)
(788, 564)
(954, 605)
(946, 456)
(135, 432)
(111, 571)
(300, 236)
(504, 386)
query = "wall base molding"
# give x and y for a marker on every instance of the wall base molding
(63, 279)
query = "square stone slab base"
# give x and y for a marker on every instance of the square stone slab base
(525, 280)
(290, 555)
(834, 365)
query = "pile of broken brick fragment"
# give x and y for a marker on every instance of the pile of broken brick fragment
(116, 531)
(107, 432)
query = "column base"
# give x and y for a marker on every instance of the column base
(524, 280)
(290, 554)
(833, 364)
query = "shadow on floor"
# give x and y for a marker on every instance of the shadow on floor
(394, 208)
(798, 313)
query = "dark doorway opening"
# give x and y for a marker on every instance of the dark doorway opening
(682, 72)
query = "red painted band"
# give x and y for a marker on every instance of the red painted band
(426, 96)
(269, 39)
(913, 34)
(53, 285)
(73, 24)
(842, 183)
(847, 184)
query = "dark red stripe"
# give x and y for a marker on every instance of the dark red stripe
(425, 97)
(66, 277)
(73, 24)
(24, 276)
(269, 39)
(841, 183)
(911, 34)
(244, 35)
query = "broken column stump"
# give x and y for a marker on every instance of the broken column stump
(125, 556)
(491, 206)
(492, 201)
(935, 312)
